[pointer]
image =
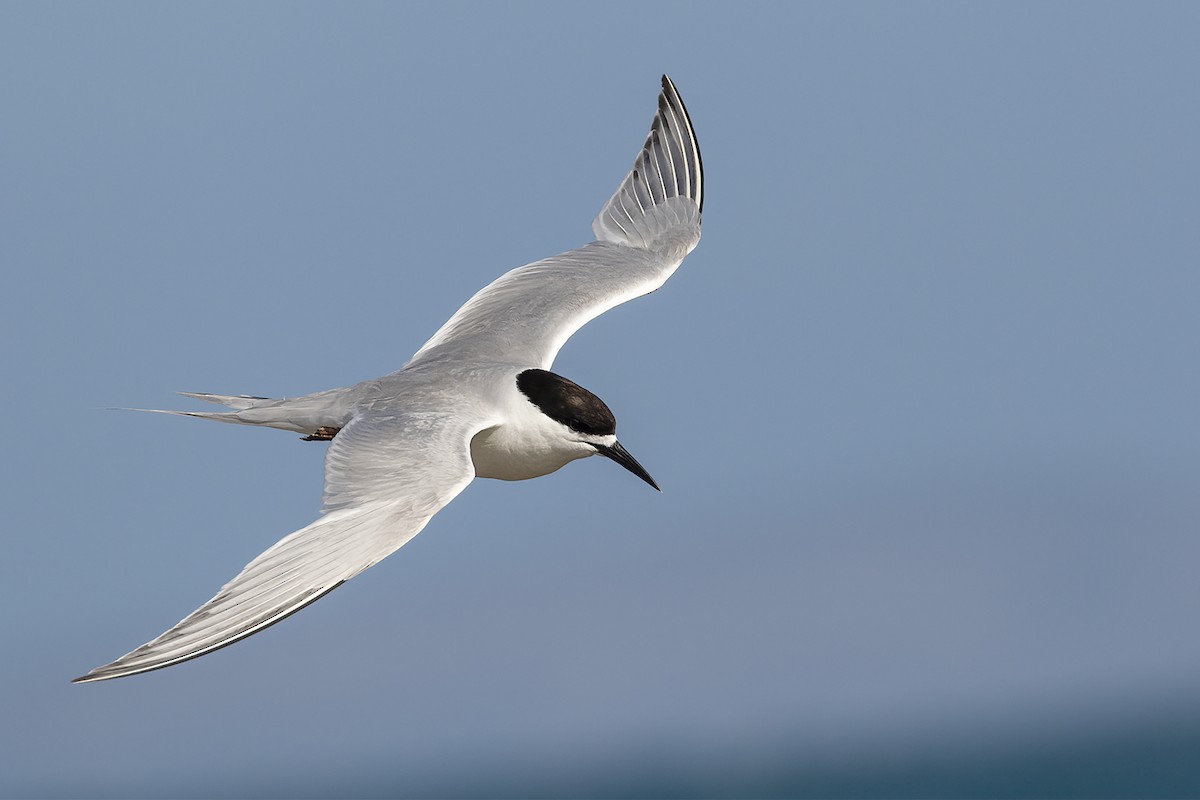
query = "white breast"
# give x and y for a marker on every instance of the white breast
(514, 452)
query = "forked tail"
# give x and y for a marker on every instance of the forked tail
(318, 415)
(237, 402)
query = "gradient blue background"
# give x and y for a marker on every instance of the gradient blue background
(924, 402)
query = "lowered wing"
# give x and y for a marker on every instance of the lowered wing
(385, 477)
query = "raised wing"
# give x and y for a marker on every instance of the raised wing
(643, 233)
(385, 477)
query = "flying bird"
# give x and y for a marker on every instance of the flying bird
(477, 400)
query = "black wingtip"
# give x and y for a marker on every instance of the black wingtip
(89, 678)
(668, 86)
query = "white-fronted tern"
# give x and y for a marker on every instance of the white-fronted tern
(477, 400)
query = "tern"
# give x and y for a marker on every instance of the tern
(477, 400)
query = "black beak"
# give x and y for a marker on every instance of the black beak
(620, 455)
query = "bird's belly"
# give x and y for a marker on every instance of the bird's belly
(498, 454)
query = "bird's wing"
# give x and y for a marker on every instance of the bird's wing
(643, 233)
(385, 477)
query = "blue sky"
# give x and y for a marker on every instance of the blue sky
(922, 402)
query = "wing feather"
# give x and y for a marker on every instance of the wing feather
(385, 477)
(654, 186)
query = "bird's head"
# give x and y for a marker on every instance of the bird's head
(583, 416)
